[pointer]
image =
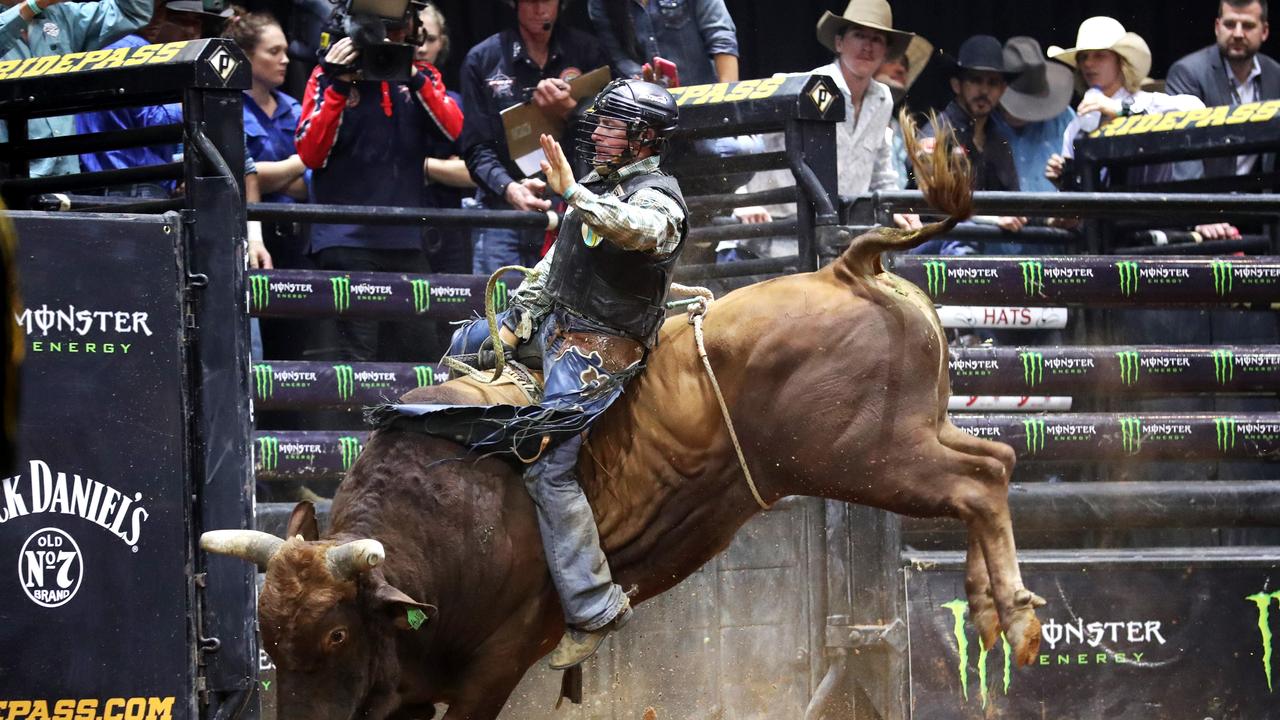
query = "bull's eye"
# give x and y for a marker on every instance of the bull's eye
(337, 637)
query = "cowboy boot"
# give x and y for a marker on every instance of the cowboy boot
(577, 646)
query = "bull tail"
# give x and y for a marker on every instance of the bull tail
(944, 175)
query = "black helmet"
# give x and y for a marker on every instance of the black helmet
(634, 107)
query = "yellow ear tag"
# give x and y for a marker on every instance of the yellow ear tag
(589, 236)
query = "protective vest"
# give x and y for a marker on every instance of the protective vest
(624, 290)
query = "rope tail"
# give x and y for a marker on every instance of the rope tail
(944, 175)
(491, 314)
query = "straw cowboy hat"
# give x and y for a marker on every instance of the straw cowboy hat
(870, 14)
(1042, 89)
(1104, 33)
(919, 53)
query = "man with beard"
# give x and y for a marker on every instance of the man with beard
(979, 81)
(1231, 72)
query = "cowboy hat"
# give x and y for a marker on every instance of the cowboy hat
(981, 53)
(871, 14)
(1042, 88)
(919, 53)
(1104, 33)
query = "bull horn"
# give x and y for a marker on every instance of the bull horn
(350, 559)
(252, 545)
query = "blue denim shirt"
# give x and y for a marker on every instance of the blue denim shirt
(686, 32)
(1032, 144)
(64, 28)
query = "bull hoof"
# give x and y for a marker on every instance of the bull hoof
(986, 620)
(1023, 635)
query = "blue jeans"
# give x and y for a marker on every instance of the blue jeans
(499, 247)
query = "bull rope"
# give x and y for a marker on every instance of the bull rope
(696, 312)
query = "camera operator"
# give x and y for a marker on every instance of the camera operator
(533, 61)
(366, 142)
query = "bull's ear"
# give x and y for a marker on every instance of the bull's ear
(405, 612)
(303, 522)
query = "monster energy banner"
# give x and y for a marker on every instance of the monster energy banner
(1075, 280)
(1126, 640)
(278, 455)
(94, 582)
(1073, 437)
(315, 293)
(1117, 369)
(311, 385)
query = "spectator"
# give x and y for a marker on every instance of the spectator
(533, 61)
(979, 80)
(899, 74)
(1231, 72)
(367, 142)
(1034, 111)
(1116, 62)
(448, 249)
(32, 28)
(697, 35)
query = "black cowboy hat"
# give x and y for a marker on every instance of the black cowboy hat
(1042, 89)
(981, 53)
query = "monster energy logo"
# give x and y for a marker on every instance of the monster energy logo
(259, 291)
(935, 273)
(1129, 366)
(1032, 368)
(1263, 602)
(346, 380)
(1131, 434)
(1223, 277)
(1128, 277)
(1032, 277)
(264, 380)
(1034, 430)
(958, 610)
(425, 375)
(341, 287)
(1224, 366)
(1225, 430)
(500, 296)
(350, 449)
(421, 295)
(268, 452)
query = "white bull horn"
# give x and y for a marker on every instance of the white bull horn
(350, 559)
(252, 545)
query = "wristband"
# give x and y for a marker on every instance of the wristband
(570, 191)
(34, 8)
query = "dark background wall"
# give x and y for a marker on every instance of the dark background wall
(778, 35)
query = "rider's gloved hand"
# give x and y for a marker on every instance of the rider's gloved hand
(487, 359)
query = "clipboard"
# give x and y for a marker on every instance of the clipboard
(525, 123)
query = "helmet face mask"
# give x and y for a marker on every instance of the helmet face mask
(625, 118)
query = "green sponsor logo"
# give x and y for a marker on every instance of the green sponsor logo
(1034, 430)
(500, 296)
(424, 374)
(1223, 276)
(1128, 277)
(959, 608)
(268, 452)
(259, 291)
(346, 378)
(1262, 601)
(1225, 430)
(341, 287)
(1032, 277)
(935, 273)
(263, 380)
(350, 449)
(421, 295)
(1131, 434)
(1129, 366)
(1032, 368)
(1224, 366)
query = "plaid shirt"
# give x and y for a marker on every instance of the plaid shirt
(649, 222)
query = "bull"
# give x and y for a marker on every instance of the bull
(430, 585)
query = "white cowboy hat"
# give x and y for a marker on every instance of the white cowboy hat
(1104, 33)
(872, 14)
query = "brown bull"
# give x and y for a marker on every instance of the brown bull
(837, 381)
